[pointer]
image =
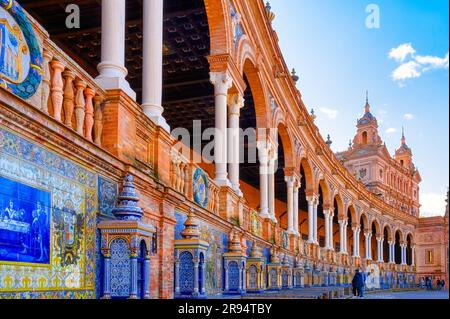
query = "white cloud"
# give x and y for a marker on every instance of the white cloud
(391, 130)
(432, 204)
(408, 70)
(401, 52)
(433, 62)
(416, 65)
(330, 113)
(408, 117)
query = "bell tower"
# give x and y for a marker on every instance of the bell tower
(403, 155)
(367, 128)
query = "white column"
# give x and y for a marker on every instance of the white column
(391, 252)
(235, 103)
(403, 249)
(331, 241)
(290, 204)
(345, 237)
(413, 256)
(222, 82)
(296, 187)
(263, 170)
(112, 66)
(316, 204)
(368, 237)
(342, 225)
(271, 178)
(311, 220)
(380, 249)
(356, 231)
(152, 64)
(327, 214)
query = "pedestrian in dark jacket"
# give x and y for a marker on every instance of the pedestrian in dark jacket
(443, 283)
(358, 284)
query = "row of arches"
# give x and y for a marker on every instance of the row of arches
(261, 110)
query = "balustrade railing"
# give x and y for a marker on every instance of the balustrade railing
(70, 95)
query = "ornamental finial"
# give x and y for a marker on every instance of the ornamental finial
(270, 14)
(235, 244)
(329, 141)
(190, 230)
(127, 208)
(294, 75)
(255, 252)
(313, 115)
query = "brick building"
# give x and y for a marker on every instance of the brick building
(103, 197)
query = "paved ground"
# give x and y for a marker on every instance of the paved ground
(423, 294)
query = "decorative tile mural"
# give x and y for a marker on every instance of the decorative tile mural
(218, 244)
(47, 229)
(24, 223)
(20, 54)
(200, 187)
(107, 196)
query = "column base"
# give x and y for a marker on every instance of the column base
(237, 189)
(161, 122)
(274, 219)
(113, 83)
(223, 182)
(291, 232)
(265, 215)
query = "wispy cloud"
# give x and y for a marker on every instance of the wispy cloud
(330, 113)
(408, 116)
(413, 66)
(391, 130)
(433, 62)
(401, 52)
(432, 204)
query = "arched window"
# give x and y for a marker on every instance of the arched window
(402, 163)
(364, 138)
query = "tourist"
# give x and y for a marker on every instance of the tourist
(358, 284)
(443, 283)
(422, 283)
(438, 284)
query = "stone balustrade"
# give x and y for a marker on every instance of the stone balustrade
(70, 95)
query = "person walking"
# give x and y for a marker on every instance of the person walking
(358, 284)
(422, 283)
(438, 284)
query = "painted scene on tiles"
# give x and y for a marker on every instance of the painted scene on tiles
(24, 223)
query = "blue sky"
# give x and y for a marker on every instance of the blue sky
(403, 64)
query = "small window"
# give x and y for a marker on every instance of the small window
(402, 163)
(364, 138)
(429, 257)
(381, 174)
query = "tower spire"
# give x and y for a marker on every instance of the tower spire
(367, 107)
(403, 136)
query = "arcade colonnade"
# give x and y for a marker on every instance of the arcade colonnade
(229, 101)
(134, 140)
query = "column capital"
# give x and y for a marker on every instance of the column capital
(290, 180)
(312, 198)
(235, 103)
(222, 82)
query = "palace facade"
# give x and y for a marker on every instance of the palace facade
(99, 200)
